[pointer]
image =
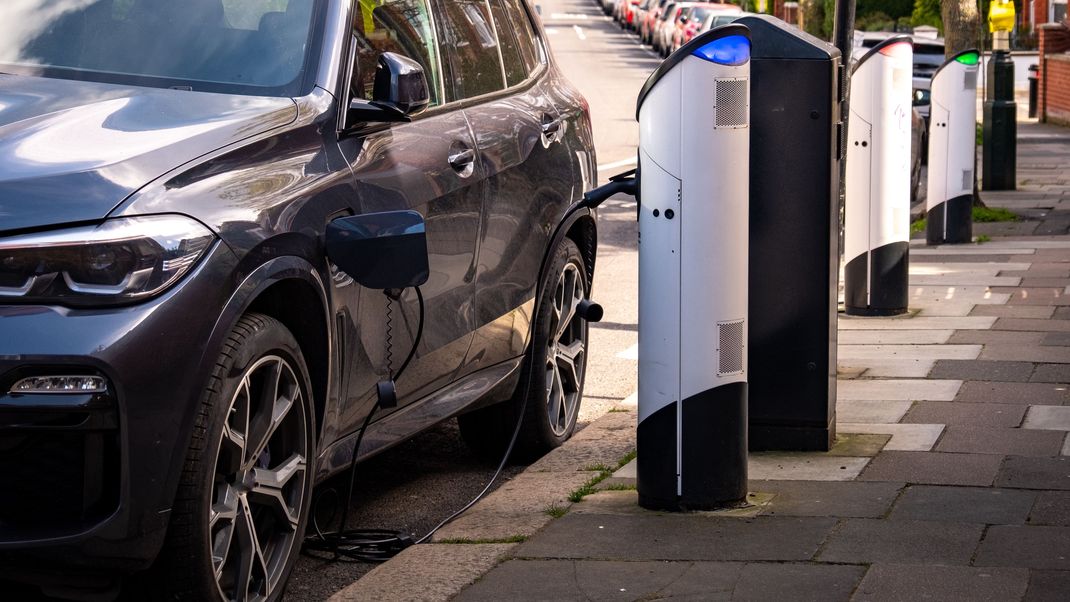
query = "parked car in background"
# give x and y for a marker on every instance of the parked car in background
(650, 19)
(626, 13)
(698, 16)
(182, 355)
(663, 35)
(928, 57)
(639, 14)
(719, 19)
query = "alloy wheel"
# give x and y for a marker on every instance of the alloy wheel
(566, 346)
(260, 482)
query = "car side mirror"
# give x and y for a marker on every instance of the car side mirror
(380, 250)
(400, 82)
(400, 91)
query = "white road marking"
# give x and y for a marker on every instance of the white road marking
(579, 32)
(580, 16)
(631, 353)
(550, 31)
(621, 163)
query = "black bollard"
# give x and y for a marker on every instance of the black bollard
(1000, 154)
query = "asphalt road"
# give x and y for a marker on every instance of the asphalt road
(415, 485)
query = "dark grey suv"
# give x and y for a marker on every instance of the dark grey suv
(181, 358)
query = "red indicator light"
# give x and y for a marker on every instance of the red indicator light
(897, 50)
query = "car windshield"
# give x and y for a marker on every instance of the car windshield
(233, 46)
(699, 14)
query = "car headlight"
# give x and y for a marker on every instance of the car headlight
(119, 261)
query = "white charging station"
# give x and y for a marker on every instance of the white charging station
(694, 145)
(877, 212)
(952, 149)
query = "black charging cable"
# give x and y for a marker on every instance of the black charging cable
(379, 545)
(369, 545)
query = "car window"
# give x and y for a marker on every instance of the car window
(399, 26)
(470, 48)
(527, 40)
(668, 12)
(923, 48)
(516, 70)
(230, 46)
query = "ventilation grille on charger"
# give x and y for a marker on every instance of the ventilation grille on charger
(730, 350)
(971, 80)
(732, 103)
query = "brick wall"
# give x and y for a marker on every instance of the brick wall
(1040, 13)
(1058, 84)
(1053, 85)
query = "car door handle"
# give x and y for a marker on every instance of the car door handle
(462, 160)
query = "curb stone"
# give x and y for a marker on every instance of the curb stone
(439, 571)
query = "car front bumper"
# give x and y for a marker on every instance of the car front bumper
(88, 479)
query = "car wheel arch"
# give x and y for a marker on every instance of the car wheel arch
(584, 232)
(286, 288)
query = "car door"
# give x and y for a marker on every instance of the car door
(495, 67)
(428, 166)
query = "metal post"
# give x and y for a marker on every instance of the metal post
(1000, 147)
(843, 30)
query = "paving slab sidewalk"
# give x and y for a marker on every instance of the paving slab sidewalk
(951, 484)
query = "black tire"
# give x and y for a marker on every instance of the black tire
(258, 352)
(487, 431)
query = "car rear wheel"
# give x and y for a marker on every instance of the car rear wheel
(553, 374)
(243, 500)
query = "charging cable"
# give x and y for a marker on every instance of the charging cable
(379, 545)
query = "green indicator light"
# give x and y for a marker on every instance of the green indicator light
(970, 58)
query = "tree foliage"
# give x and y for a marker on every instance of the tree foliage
(927, 12)
(830, 18)
(813, 18)
(895, 9)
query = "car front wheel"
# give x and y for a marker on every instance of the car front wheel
(243, 500)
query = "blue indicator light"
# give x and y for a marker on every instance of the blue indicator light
(729, 50)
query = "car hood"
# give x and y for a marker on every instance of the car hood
(71, 151)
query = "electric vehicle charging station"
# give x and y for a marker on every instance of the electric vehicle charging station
(877, 212)
(952, 143)
(693, 117)
(796, 91)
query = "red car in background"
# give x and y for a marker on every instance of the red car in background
(626, 16)
(692, 19)
(666, 25)
(649, 18)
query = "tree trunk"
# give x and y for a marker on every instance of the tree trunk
(962, 25)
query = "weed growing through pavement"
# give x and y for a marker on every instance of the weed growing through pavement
(981, 215)
(556, 511)
(603, 473)
(993, 214)
(982, 238)
(466, 541)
